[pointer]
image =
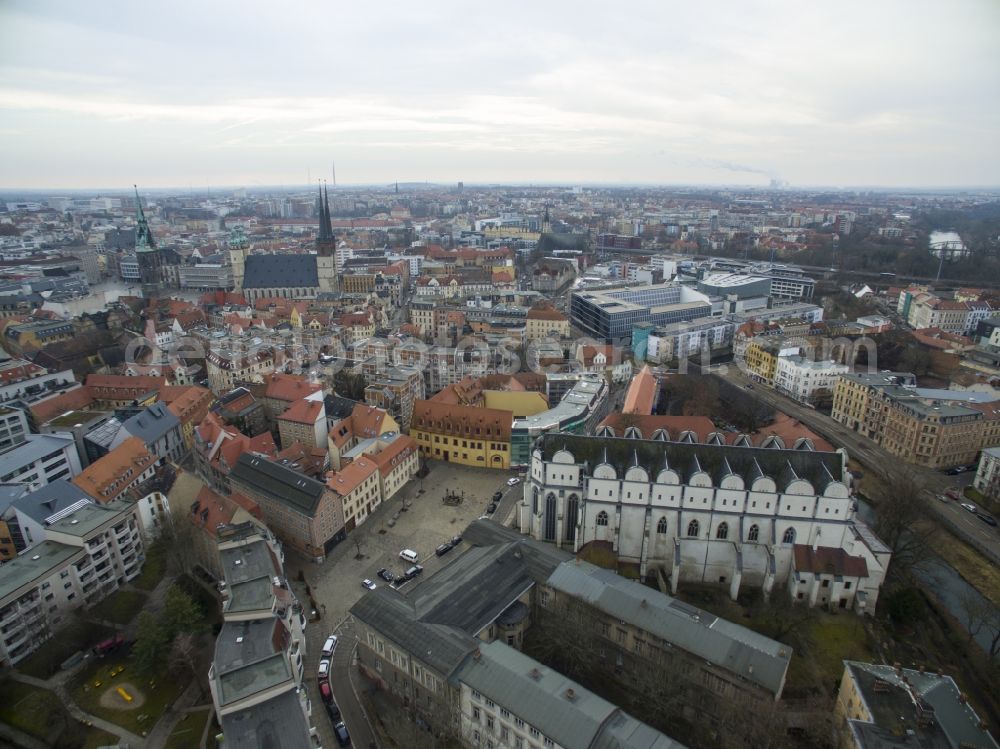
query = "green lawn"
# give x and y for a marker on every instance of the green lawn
(159, 694)
(834, 638)
(120, 607)
(35, 711)
(153, 568)
(187, 733)
(79, 635)
(95, 738)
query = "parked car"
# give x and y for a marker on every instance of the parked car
(333, 710)
(386, 575)
(954, 471)
(324, 669)
(414, 571)
(491, 508)
(969, 507)
(343, 737)
(325, 692)
(443, 549)
(952, 494)
(366, 583)
(514, 481)
(988, 519)
(456, 540)
(497, 496)
(329, 646)
(944, 498)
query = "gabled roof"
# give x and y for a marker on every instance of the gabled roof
(278, 482)
(280, 271)
(303, 412)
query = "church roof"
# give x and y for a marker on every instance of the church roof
(280, 271)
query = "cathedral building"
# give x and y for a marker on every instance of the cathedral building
(288, 275)
(148, 256)
(709, 513)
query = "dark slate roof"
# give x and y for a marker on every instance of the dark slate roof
(279, 482)
(782, 465)
(277, 723)
(50, 499)
(152, 423)
(338, 407)
(464, 596)
(280, 271)
(390, 613)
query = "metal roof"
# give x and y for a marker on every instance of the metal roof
(278, 723)
(751, 656)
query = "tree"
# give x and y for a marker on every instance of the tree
(902, 522)
(782, 619)
(180, 614)
(979, 614)
(183, 662)
(906, 605)
(151, 644)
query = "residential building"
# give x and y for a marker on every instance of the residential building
(892, 706)
(806, 380)
(395, 391)
(361, 423)
(158, 428)
(228, 368)
(28, 337)
(210, 513)
(987, 480)
(190, 405)
(705, 513)
(240, 409)
(120, 473)
(283, 390)
(13, 427)
(39, 460)
(20, 378)
(545, 322)
(303, 512)
(930, 427)
(258, 668)
(357, 486)
(120, 391)
(304, 421)
(88, 551)
(672, 343)
(217, 447)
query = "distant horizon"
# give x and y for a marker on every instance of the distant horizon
(452, 185)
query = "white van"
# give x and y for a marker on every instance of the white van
(408, 555)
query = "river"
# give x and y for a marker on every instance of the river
(943, 581)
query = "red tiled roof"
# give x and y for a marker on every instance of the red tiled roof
(106, 478)
(467, 421)
(641, 394)
(827, 560)
(351, 476)
(290, 388)
(303, 412)
(71, 400)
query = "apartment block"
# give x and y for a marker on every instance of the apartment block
(88, 551)
(257, 672)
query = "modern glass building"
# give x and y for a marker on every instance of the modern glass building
(611, 315)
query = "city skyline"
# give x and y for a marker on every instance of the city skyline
(893, 95)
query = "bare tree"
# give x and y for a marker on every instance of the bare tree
(978, 615)
(184, 661)
(902, 522)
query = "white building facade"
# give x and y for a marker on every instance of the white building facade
(707, 513)
(801, 378)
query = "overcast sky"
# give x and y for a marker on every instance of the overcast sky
(104, 94)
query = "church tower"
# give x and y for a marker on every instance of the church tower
(239, 246)
(326, 246)
(546, 222)
(147, 254)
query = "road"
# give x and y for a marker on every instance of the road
(891, 468)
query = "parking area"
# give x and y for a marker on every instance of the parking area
(426, 522)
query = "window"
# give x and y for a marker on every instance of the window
(475, 714)
(489, 723)
(847, 585)
(754, 533)
(504, 734)
(722, 532)
(602, 518)
(535, 733)
(476, 695)
(789, 537)
(661, 526)
(693, 529)
(490, 703)
(505, 713)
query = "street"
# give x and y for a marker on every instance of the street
(891, 468)
(425, 523)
